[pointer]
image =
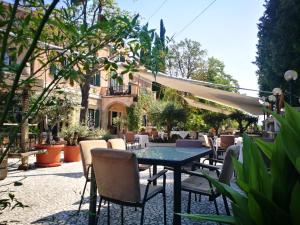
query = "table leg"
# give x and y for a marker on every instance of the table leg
(177, 195)
(93, 200)
(153, 173)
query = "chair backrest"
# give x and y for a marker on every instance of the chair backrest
(117, 175)
(212, 147)
(188, 143)
(129, 136)
(227, 169)
(85, 151)
(226, 141)
(117, 143)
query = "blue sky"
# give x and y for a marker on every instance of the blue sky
(227, 30)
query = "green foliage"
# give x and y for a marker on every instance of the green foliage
(214, 120)
(278, 47)
(133, 118)
(169, 94)
(271, 195)
(186, 58)
(153, 49)
(215, 74)
(55, 108)
(72, 133)
(195, 122)
(121, 122)
(167, 114)
(243, 120)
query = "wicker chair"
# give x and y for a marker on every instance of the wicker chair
(197, 183)
(118, 181)
(85, 150)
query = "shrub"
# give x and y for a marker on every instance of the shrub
(271, 195)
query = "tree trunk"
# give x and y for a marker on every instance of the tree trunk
(85, 89)
(24, 128)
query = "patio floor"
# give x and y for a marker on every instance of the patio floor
(53, 195)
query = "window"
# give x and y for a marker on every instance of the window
(10, 57)
(113, 82)
(93, 118)
(96, 80)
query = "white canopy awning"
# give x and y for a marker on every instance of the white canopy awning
(241, 102)
(201, 105)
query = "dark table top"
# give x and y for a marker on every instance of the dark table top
(170, 156)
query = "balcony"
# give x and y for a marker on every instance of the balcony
(120, 90)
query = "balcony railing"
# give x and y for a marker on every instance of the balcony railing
(117, 90)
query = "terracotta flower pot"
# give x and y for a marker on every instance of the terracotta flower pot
(3, 169)
(51, 158)
(72, 154)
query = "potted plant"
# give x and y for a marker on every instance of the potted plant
(71, 135)
(55, 109)
(3, 168)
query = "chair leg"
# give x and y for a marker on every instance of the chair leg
(108, 213)
(199, 198)
(82, 196)
(165, 207)
(122, 215)
(216, 205)
(195, 197)
(189, 203)
(226, 205)
(99, 208)
(142, 215)
(150, 175)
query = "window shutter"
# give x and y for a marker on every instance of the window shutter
(97, 79)
(97, 118)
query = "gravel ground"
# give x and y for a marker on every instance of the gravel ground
(52, 196)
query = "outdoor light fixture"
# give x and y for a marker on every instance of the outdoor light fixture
(277, 92)
(272, 98)
(289, 76)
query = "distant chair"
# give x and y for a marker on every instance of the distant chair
(204, 138)
(122, 184)
(85, 150)
(197, 183)
(226, 141)
(131, 141)
(187, 143)
(119, 143)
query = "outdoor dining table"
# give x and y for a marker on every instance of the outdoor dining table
(164, 156)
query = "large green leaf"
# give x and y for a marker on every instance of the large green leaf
(241, 215)
(295, 204)
(292, 116)
(265, 147)
(234, 195)
(272, 214)
(282, 172)
(215, 218)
